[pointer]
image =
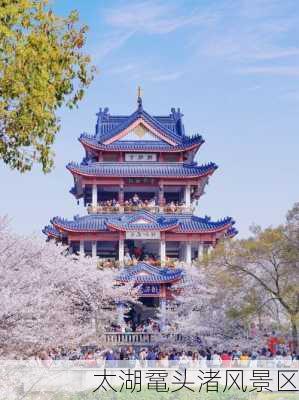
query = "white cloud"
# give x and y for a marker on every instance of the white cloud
(240, 32)
(147, 17)
(253, 31)
(271, 70)
(167, 77)
(275, 54)
(108, 43)
(121, 69)
(152, 17)
(246, 47)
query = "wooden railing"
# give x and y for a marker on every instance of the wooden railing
(168, 209)
(140, 338)
(130, 209)
(112, 262)
(104, 209)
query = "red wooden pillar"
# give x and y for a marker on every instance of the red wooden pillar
(163, 307)
(162, 291)
(163, 250)
(161, 195)
(121, 194)
(121, 248)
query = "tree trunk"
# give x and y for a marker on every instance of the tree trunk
(294, 333)
(260, 322)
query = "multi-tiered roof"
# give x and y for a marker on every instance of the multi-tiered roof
(105, 223)
(157, 134)
(168, 130)
(167, 160)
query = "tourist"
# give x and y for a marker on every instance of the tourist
(202, 360)
(253, 357)
(128, 327)
(90, 359)
(151, 357)
(216, 360)
(287, 359)
(143, 357)
(127, 258)
(138, 252)
(244, 358)
(108, 263)
(162, 360)
(151, 259)
(152, 203)
(184, 360)
(173, 357)
(172, 206)
(95, 357)
(134, 260)
(226, 359)
(135, 199)
(134, 203)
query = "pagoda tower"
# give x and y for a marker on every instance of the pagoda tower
(140, 185)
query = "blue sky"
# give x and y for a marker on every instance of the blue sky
(233, 68)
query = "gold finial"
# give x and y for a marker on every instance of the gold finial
(139, 92)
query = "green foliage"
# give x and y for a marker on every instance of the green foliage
(180, 395)
(42, 68)
(262, 271)
(184, 394)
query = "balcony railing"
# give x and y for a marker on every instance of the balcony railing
(169, 262)
(141, 338)
(167, 209)
(108, 263)
(113, 263)
(104, 209)
(133, 208)
(173, 209)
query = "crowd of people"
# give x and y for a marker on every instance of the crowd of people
(104, 206)
(131, 258)
(138, 254)
(175, 207)
(134, 204)
(147, 326)
(201, 358)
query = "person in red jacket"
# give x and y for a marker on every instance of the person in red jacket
(272, 343)
(226, 359)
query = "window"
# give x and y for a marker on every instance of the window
(110, 157)
(171, 157)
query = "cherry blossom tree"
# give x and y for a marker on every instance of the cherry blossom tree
(195, 311)
(208, 307)
(50, 298)
(268, 264)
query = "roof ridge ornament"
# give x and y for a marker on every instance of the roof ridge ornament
(139, 99)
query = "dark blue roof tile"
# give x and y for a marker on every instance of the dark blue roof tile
(110, 125)
(149, 222)
(85, 223)
(186, 142)
(180, 223)
(146, 273)
(150, 170)
(51, 231)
